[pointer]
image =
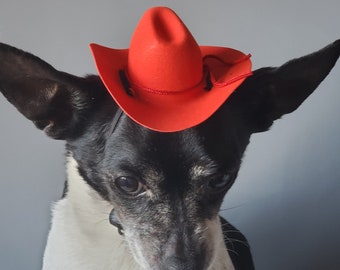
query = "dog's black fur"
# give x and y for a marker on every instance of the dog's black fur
(80, 111)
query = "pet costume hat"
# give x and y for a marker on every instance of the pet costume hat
(165, 81)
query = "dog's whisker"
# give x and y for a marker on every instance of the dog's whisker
(99, 222)
(233, 251)
(232, 207)
(233, 240)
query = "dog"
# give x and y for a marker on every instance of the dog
(138, 198)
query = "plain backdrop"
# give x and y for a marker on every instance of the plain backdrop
(287, 196)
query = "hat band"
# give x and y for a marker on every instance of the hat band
(130, 87)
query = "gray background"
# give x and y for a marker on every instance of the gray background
(287, 197)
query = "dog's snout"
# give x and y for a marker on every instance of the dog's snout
(175, 247)
(177, 263)
(183, 262)
(181, 253)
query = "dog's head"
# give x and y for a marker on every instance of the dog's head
(165, 188)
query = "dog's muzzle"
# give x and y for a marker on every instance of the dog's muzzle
(178, 249)
(180, 252)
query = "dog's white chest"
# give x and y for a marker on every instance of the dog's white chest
(70, 246)
(81, 236)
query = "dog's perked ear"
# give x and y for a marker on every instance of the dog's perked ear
(273, 92)
(53, 100)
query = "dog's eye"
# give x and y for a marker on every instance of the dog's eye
(220, 183)
(129, 185)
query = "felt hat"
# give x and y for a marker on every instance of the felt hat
(165, 81)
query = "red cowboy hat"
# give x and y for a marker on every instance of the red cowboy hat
(165, 81)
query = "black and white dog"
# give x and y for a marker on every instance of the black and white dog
(162, 191)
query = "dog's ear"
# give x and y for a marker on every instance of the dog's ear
(53, 100)
(273, 92)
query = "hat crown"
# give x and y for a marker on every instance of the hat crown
(150, 81)
(163, 54)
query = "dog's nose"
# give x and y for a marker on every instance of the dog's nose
(177, 263)
(183, 263)
(181, 253)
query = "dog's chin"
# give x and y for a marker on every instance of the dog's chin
(208, 236)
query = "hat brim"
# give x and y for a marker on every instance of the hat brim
(179, 111)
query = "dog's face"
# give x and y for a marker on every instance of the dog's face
(165, 188)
